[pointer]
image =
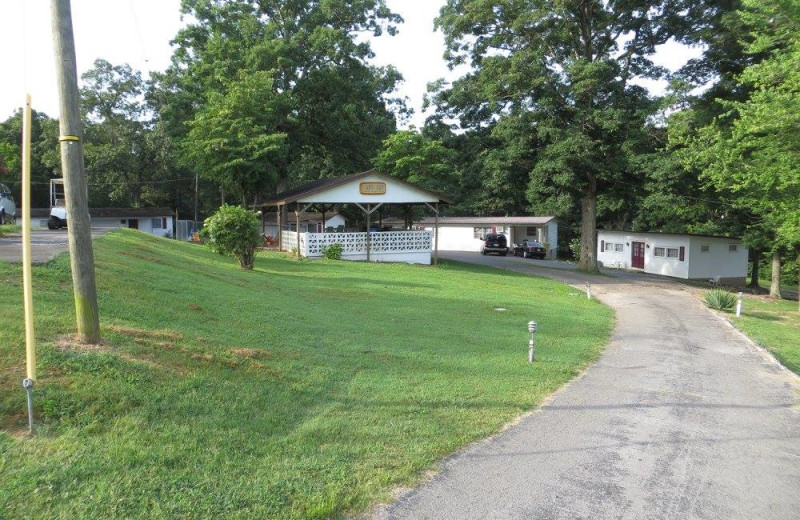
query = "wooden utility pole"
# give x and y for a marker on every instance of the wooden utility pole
(75, 190)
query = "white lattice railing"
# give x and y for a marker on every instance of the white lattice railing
(356, 243)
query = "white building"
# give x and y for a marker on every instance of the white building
(156, 221)
(692, 257)
(466, 233)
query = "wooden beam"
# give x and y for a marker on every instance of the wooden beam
(280, 228)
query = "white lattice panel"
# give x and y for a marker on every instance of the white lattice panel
(356, 243)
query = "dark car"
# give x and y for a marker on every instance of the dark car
(530, 249)
(494, 243)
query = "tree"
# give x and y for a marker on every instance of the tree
(233, 231)
(411, 156)
(324, 97)
(564, 69)
(233, 139)
(125, 164)
(45, 160)
(753, 148)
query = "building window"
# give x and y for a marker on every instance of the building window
(705, 248)
(733, 248)
(658, 251)
(673, 252)
(480, 232)
(156, 223)
(619, 248)
(531, 231)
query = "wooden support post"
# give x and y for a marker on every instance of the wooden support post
(369, 214)
(280, 228)
(75, 190)
(323, 218)
(297, 228)
(436, 236)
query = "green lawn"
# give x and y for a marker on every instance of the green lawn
(6, 229)
(775, 325)
(299, 390)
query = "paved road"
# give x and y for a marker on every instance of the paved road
(45, 245)
(681, 418)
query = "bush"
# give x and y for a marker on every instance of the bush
(332, 252)
(575, 247)
(720, 300)
(233, 231)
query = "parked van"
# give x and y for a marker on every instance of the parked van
(8, 208)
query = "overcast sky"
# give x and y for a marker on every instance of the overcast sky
(138, 32)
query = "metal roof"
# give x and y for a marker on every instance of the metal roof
(483, 221)
(115, 212)
(659, 233)
(321, 185)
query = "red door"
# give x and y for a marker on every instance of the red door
(637, 255)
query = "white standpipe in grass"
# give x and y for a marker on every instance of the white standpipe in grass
(588, 291)
(739, 305)
(532, 326)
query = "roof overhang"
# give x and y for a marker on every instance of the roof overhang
(370, 187)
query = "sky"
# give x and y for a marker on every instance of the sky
(138, 32)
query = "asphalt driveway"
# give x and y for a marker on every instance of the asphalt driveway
(45, 245)
(682, 417)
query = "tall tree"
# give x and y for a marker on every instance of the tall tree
(753, 148)
(324, 97)
(570, 64)
(125, 164)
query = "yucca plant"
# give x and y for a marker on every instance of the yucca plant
(720, 300)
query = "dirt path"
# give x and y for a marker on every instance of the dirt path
(682, 417)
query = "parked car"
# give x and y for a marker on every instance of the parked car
(494, 243)
(8, 208)
(530, 249)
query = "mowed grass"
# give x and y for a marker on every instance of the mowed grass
(303, 389)
(775, 325)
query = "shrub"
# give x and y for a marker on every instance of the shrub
(233, 231)
(575, 246)
(332, 252)
(720, 299)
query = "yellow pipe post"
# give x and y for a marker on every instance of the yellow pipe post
(30, 344)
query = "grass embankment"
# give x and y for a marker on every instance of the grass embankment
(775, 325)
(299, 390)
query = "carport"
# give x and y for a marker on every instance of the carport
(369, 191)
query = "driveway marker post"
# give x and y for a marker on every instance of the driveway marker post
(739, 305)
(588, 291)
(532, 326)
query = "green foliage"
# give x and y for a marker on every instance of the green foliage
(720, 299)
(234, 140)
(750, 151)
(208, 371)
(332, 252)
(272, 94)
(233, 231)
(575, 247)
(128, 157)
(556, 90)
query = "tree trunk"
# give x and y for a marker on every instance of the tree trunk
(588, 260)
(754, 271)
(775, 286)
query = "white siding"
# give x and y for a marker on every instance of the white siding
(396, 193)
(718, 261)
